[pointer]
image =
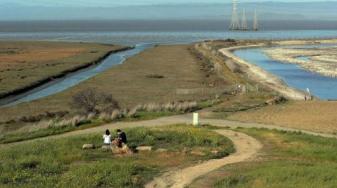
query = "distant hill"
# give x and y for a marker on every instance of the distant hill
(267, 11)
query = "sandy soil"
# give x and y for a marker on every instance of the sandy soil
(320, 60)
(246, 148)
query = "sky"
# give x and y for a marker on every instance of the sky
(99, 3)
(159, 9)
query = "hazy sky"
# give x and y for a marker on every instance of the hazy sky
(126, 2)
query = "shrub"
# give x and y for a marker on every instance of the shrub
(169, 107)
(155, 76)
(91, 101)
(105, 116)
(115, 115)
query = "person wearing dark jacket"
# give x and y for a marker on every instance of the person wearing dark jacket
(121, 137)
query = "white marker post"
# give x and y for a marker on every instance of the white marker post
(309, 94)
(195, 119)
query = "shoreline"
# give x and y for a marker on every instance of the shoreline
(258, 74)
(264, 77)
(11, 95)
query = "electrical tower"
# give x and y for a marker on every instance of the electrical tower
(244, 25)
(256, 22)
(235, 23)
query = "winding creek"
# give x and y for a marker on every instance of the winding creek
(73, 79)
(294, 76)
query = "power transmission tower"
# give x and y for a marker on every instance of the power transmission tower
(244, 25)
(256, 22)
(235, 23)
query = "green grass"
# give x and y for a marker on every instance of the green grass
(62, 162)
(44, 132)
(291, 160)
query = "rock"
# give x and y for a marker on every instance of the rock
(124, 150)
(198, 153)
(185, 150)
(144, 148)
(161, 150)
(137, 179)
(215, 152)
(106, 148)
(276, 100)
(88, 146)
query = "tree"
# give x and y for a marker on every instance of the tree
(91, 101)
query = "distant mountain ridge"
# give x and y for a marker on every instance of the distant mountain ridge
(266, 10)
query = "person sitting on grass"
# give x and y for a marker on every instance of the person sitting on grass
(107, 138)
(121, 138)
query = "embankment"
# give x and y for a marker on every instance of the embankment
(261, 76)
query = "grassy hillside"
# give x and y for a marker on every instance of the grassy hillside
(62, 162)
(288, 160)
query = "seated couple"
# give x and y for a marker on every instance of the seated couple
(119, 141)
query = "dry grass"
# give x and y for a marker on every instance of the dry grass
(319, 116)
(130, 86)
(25, 63)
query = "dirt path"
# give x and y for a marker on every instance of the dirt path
(180, 119)
(246, 148)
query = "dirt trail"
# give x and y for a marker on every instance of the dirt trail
(246, 148)
(179, 119)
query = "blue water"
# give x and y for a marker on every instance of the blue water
(132, 37)
(320, 86)
(76, 78)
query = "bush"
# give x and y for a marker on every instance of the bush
(90, 101)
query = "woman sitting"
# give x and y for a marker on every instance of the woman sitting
(107, 138)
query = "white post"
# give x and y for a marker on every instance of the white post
(195, 119)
